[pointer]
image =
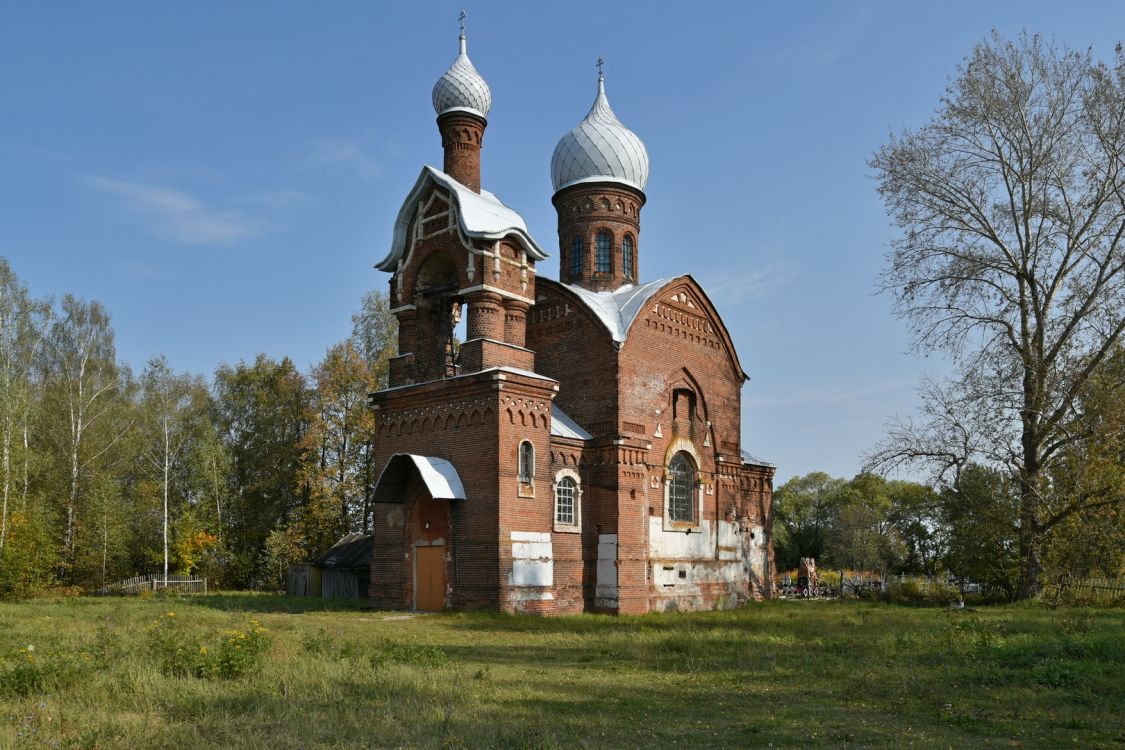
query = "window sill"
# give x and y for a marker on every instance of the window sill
(526, 489)
(566, 528)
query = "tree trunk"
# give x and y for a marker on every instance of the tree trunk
(7, 468)
(166, 459)
(1029, 583)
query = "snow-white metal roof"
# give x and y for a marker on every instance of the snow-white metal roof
(600, 149)
(618, 309)
(440, 477)
(481, 216)
(564, 426)
(461, 88)
(749, 458)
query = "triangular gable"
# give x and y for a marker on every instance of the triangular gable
(683, 294)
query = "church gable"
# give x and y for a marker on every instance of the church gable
(682, 312)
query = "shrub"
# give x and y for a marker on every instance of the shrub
(226, 655)
(35, 671)
(935, 594)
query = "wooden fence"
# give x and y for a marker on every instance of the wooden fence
(1112, 588)
(156, 582)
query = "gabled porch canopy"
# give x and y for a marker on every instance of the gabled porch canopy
(439, 476)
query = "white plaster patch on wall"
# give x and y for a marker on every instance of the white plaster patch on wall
(531, 536)
(532, 560)
(677, 544)
(605, 593)
(522, 595)
(754, 550)
(730, 541)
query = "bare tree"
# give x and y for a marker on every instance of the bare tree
(1011, 261)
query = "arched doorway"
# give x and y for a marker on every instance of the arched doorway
(422, 489)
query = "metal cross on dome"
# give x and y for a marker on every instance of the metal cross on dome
(462, 19)
(600, 64)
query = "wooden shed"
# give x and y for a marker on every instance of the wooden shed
(342, 572)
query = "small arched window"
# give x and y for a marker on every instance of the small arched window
(526, 462)
(576, 249)
(604, 251)
(566, 501)
(681, 489)
(627, 265)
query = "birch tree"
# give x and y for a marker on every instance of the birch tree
(86, 380)
(174, 416)
(23, 324)
(1010, 260)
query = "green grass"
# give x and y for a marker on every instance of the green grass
(110, 673)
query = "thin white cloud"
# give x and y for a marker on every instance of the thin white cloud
(175, 214)
(339, 152)
(734, 288)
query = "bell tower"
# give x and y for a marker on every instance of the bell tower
(459, 251)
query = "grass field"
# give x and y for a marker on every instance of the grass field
(245, 671)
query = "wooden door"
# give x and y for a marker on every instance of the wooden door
(429, 578)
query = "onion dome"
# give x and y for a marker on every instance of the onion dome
(461, 88)
(600, 149)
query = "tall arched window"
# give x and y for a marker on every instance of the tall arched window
(627, 256)
(527, 462)
(604, 251)
(566, 501)
(577, 247)
(681, 489)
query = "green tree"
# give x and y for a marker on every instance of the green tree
(23, 326)
(86, 415)
(174, 416)
(862, 534)
(375, 335)
(337, 447)
(980, 513)
(804, 508)
(1011, 262)
(1091, 540)
(263, 415)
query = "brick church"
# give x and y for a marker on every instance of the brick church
(580, 450)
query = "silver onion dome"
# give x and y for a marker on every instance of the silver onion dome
(461, 88)
(600, 149)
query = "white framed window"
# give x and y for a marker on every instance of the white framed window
(681, 489)
(568, 501)
(526, 462)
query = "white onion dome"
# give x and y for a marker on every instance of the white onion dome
(600, 149)
(461, 88)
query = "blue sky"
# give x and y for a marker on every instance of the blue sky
(223, 176)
